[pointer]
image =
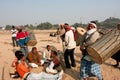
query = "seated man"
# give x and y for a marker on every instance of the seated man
(55, 66)
(15, 74)
(25, 73)
(34, 58)
(46, 55)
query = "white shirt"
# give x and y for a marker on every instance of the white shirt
(14, 32)
(69, 40)
(47, 54)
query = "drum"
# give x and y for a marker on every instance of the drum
(105, 47)
(79, 33)
(32, 39)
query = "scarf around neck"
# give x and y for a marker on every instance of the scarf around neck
(89, 32)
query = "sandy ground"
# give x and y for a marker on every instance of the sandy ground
(43, 39)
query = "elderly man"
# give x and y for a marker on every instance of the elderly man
(88, 67)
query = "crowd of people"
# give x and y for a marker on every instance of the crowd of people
(54, 70)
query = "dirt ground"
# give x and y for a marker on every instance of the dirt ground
(43, 39)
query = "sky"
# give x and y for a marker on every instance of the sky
(22, 12)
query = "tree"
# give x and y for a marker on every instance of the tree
(45, 25)
(110, 22)
(29, 26)
(77, 25)
(55, 26)
(8, 27)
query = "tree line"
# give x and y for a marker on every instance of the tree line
(111, 22)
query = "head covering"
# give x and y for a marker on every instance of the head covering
(94, 25)
(73, 28)
(66, 24)
(19, 27)
(67, 28)
(61, 24)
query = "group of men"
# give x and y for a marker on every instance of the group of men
(32, 59)
(68, 36)
(88, 66)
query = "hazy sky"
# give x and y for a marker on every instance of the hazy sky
(23, 12)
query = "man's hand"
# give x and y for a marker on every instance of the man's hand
(82, 48)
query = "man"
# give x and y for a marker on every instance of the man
(62, 36)
(70, 45)
(117, 55)
(88, 67)
(58, 35)
(34, 58)
(22, 38)
(14, 32)
(46, 55)
(55, 65)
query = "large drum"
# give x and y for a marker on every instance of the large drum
(79, 33)
(105, 47)
(32, 41)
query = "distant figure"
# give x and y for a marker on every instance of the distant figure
(88, 67)
(22, 39)
(24, 71)
(116, 56)
(58, 35)
(70, 45)
(62, 36)
(34, 58)
(14, 32)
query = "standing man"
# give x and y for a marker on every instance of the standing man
(88, 67)
(22, 38)
(14, 32)
(70, 46)
(58, 35)
(62, 36)
(116, 56)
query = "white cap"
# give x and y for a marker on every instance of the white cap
(94, 25)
